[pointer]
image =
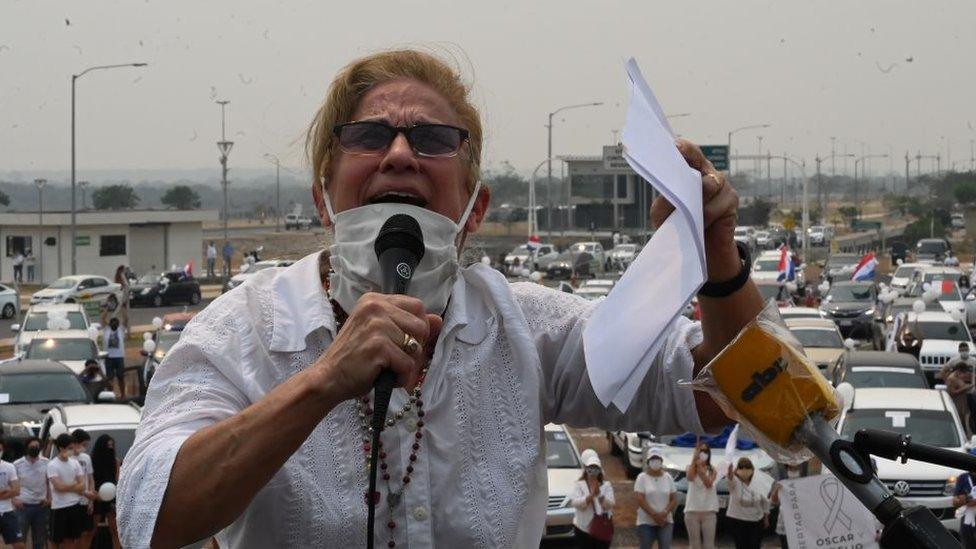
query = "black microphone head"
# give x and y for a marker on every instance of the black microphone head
(400, 231)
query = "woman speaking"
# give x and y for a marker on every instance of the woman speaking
(256, 426)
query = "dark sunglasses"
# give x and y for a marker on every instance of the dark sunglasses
(432, 140)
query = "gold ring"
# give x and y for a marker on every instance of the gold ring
(410, 344)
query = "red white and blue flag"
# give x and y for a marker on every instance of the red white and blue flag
(787, 269)
(533, 243)
(865, 269)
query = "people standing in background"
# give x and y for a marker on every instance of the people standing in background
(592, 497)
(701, 503)
(18, 263)
(113, 343)
(748, 511)
(964, 357)
(965, 496)
(950, 259)
(67, 482)
(81, 440)
(787, 472)
(211, 259)
(656, 502)
(29, 262)
(106, 469)
(228, 253)
(959, 385)
(35, 497)
(9, 489)
(123, 281)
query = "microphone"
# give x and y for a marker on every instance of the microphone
(399, 248)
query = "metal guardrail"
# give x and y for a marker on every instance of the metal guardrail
(864, 241)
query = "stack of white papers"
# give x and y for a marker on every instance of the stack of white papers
(627, 329)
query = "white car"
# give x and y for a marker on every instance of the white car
(79, 289)
(9, 302)
(800, 312)
(763, 239)
(958, 220)
(746, 235)
(36, 320)
(819, 235)
(69, 347)
(902, 276)
(248, 271)
(766, 267)
(622, 255)
(595, 249)
(953, 302)
(564, 468)
(592, 293)
(630, 447)
(930, 417)
(119, 421)
(941, 335)
(297, 221)
(542, 254)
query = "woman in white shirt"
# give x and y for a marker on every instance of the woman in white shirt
(748, 511)
(592, 496)
(701, 503)
(655, 503)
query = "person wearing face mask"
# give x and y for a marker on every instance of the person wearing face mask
(656, 501)
(482, 364)
(592, 496)
(701, 502)
(787, 472)
(9, 489)
(34, 498)
(67, 483)
(81, 440)
(959, 385)
(963, 358)
(113, 343)
(748, 511)
(105, 469)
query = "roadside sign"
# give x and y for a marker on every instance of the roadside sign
(789, 224)
(613, 159)
(83, 240)
(718, 155)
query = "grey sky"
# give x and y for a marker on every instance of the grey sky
(812, 69)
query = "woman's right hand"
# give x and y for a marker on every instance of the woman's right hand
(371, 339)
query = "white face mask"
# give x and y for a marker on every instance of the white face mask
(792, 473)
(356, 269)
(654, 465)
(703, 458)
(964, 355)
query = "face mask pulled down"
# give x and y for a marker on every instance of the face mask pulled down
(356, 269)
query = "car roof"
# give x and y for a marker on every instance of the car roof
(881, 358)
(61, 334)
(45, 307)
(100, 414)
(799, 310)
(941, 269)
(820, 323)
(931, 240)
(33, 366)
(555, 427)
(915, 265)
(770, 253)
(898, 398)
(934, 316)
(852, 283)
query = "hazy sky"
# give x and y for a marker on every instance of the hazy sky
(811, 69)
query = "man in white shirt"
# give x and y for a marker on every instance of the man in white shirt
(67, 483)
(113, 343)
(211, 259)
(82, 440)
(18, 263)
(9, 489)
(34, 499)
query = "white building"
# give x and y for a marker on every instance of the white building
(104, 240)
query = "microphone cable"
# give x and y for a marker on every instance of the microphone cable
(382, 392)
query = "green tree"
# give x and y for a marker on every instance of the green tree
(755, 212)
(181, 197)
(965, 192)
(849, 213)
(115, 197)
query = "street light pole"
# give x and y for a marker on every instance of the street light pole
(277, 164)
(737, 130)
(549, 160)
(40, 222)
(74, 81)
(224, 146)
(857, 202)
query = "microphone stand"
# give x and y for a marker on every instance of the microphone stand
(904, 528)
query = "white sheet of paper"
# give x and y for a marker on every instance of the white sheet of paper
(664, 276)
(4, 398)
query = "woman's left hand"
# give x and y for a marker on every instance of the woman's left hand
(720, 203)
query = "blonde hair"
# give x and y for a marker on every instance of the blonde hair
(363, 74)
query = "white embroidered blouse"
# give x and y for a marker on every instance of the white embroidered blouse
(509, 360)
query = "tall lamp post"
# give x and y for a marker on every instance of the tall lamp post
(805, 219)
(737, 130)
(41, 183)
(224, 146)
(74, 81)
(821, 202)
(274, 159)
(860, 160)
(549, 159)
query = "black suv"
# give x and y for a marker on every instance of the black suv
(169, 287)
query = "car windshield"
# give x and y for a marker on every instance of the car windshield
(63, 284)
(148, 279)
(904, 272)
(165, 340)
(790, 313)
(816, 229)
(850, 293)
(842, 260)
(42, 387)
(818, 337)
(766, 265)
(559, 451)
(62, 349)
(123, 438)
(38, 321)
(626, 248)
(520, 250)
(948, 292)
(741, 231)
(953, 331)
(933, 427)
(931, 247)
(762, 234)
(863, 377)
(592, 292)
(582, 247)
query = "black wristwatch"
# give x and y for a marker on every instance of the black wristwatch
(729, 287)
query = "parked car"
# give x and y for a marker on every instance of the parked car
(763, 239)
(957, 220)
(622, 255)
(952, 301)
(116, 420)
(866, 369)
(903, 305)
(929, 417)
(79, 289)
(594, 249)
(840, 267)
(851, 306)
(899, 252)
(69, 347)
(9, 302)
(820, 339)
(297, 221)
(166, 288)
(582, 264)
(902, 276)
(771, 289)
(932, 337)
(931, 250)
(931, 273)
(36, 320)
(746, 235)
(164, 338)
(564, 467)
(248, 271)
(630, 447)
(32, 387)
(819, 235)
(788, 313)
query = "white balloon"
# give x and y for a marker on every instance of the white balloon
(149, 346)
(146, 336)
(791, 287)
(850, 344)
(926, 286)
(157, 322)
(957, 314)
(93, 333)
(106, 492)
(57, 313)
(57, 429)
(845, 393)
(824, 287)
(918, 306)
(525, 273)
(536, 276)
(52, 324)
(885, 298)
(900, 261)
(929, 296)
(485, 260)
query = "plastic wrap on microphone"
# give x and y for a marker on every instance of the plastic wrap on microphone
(763, 380)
